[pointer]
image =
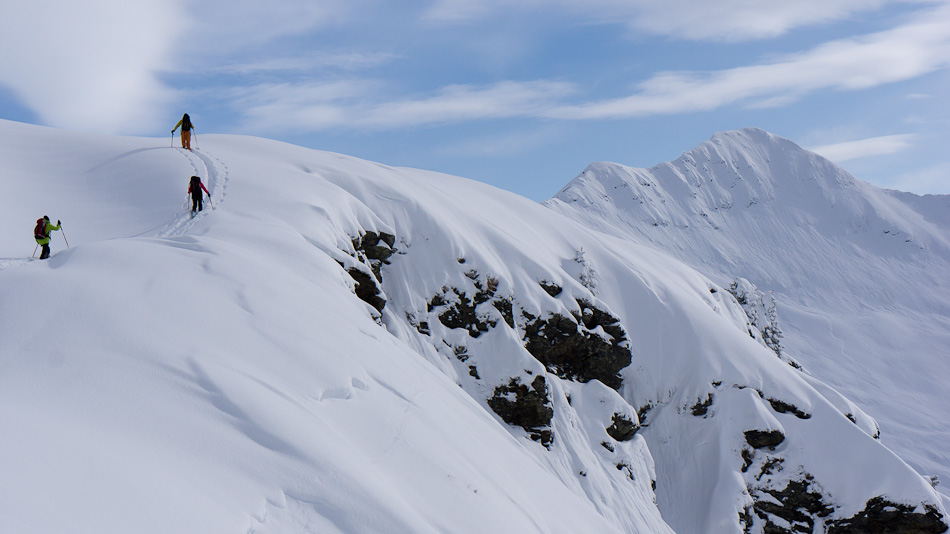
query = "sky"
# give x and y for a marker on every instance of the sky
(520, 94)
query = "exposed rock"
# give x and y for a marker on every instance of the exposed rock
(551, 288)
(797, 505)
(642, 413)
(377, 248)
(760, 439)
(784, 407)
(883, 517)
(748, 456)
(367, 289)
(528, 408)
(503, 305)
(627, 469)
(372, 250)
(622, 428)
(702, 406)
(568, 347)
(461, 310)
(770, 466)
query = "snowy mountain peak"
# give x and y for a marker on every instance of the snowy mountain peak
(342, 346)
(856, 275)
(736, 169)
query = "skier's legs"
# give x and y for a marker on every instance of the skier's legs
(186, 139)
(45, 253)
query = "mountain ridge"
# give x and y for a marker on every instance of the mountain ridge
(354, 347)
(857, 271)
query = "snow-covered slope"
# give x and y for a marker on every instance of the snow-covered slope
(859, 274)
(341, 346)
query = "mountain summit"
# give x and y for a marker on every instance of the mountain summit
(345, 347)
(857, 274)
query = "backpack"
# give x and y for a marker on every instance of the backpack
(195, 186)
(39, 232)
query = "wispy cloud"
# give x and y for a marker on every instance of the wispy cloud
(308, 63)
(730, 20)
(862, 148)
(90, 65)
(355, 104)
(916, 48)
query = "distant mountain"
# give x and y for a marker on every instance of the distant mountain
(859, 274)
(343, 347)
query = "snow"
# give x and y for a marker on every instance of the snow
(218, 374)
(859, 274)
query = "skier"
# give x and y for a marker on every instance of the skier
(41, 233)
(186, 129)
(194, 189)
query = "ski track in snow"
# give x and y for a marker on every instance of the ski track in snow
(215, 177)
(214, 174)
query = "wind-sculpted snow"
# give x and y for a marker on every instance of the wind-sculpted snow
(342, 346)
(858, 274)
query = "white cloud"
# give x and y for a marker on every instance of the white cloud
(862, 148)
(227, 26)
(89, 65)
(920, 46)
(916, 48)
(356, 104)
(731, 20)
(345, 61)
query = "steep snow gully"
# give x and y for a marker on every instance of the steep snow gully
(346, 347)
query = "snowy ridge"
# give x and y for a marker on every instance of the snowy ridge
(859, 274)
(343, 346)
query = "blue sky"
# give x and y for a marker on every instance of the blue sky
(521, 94)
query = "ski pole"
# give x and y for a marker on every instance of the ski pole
(196, 137)
(64, 235)
(172, 143)
(34, 249)
(211, 201)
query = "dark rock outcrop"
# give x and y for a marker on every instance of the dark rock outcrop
(702, 406)
(372, 250)
(457, 309)
(376, 248)
(797, 505)
(622, 428)
(529, 408)
(760, 439)
(883, 517)
(784, 407)
(367, 289)
(569, 348)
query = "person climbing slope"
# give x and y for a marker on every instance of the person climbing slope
(194, 189)
(186, 128)
(41, 233)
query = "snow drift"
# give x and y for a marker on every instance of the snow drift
(857, 276)
(342, 346)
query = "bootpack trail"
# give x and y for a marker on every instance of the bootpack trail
(214, 174)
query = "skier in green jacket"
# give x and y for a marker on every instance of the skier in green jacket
(41, 233)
